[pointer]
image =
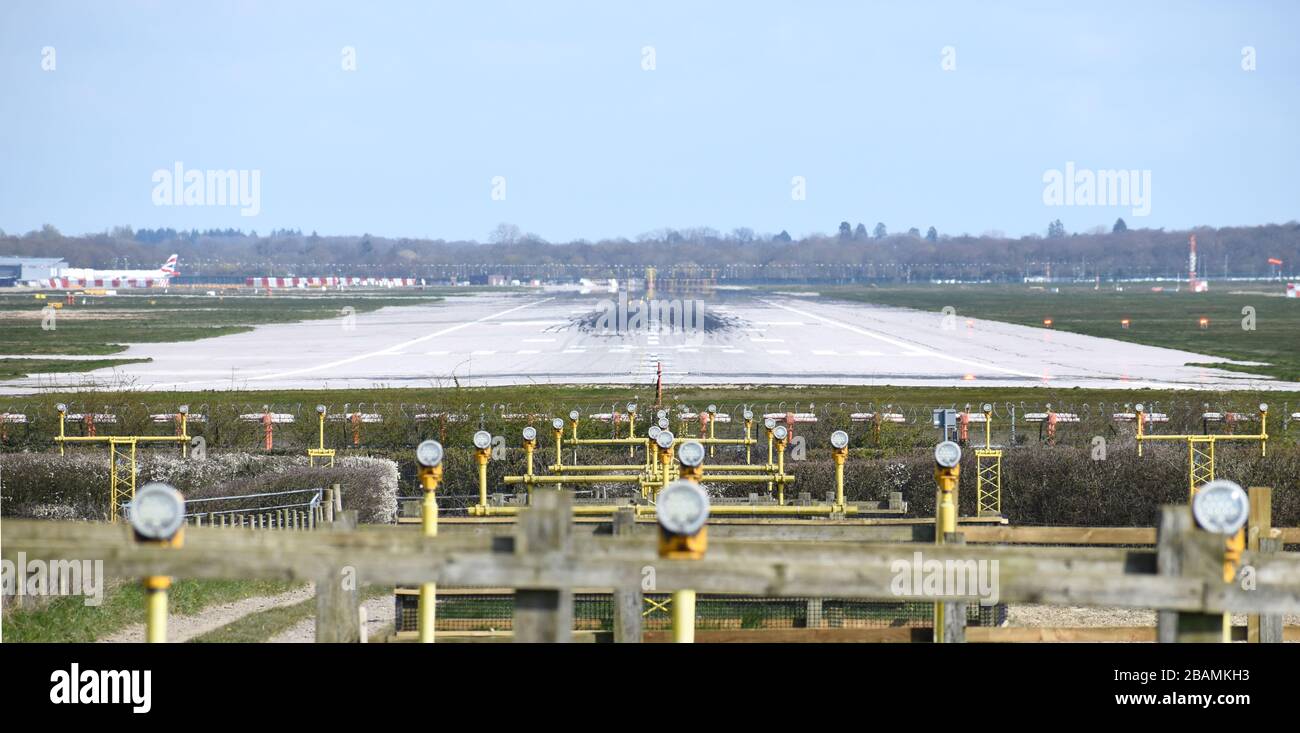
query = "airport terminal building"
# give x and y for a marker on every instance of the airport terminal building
(18, 269)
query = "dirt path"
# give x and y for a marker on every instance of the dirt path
(1064, 616)
(184, 628)
(379, 613)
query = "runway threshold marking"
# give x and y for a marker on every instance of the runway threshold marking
(911, 348)
(396, 347)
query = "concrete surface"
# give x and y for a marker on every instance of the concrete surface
(529, 339)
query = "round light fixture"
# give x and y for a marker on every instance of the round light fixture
(1221, 507)
(654, 431)
(573, 415)
(1263, 407)
(769, 422)
(558, 423)
(61, 407)
(1138, 407)
(183, 409)
(320, 409)
(530, 433)
(748, 414)
(482, 440)
(631, 407)
(428, 453)
(780, 432)
(157, 511)
(988, 407)
(839, 440)
(713, 408)
(691, 453)
(682, 508)
(663, 423)
(664, 439)
(947, 454)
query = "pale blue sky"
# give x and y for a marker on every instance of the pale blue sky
(553, 97)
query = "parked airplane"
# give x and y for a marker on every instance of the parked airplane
(85, 278)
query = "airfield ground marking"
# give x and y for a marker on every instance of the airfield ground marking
(396, 347)
(902, 345)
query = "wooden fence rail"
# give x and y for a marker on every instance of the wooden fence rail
(545, 560)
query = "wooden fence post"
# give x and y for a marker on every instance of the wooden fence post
(627, 601)
(328, 505)
(338, 598)
(1183, 550)
(954, 612)
(1270, 624)
(1257, 528)
(544, 527)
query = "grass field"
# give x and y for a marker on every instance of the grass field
(101, 325)
(1167, 319)
(69, 619)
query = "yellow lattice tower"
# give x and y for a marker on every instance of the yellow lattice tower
(1200, 461)
(121, 486)
(988, 472)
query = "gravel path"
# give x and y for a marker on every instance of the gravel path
(379, 613)
(1067, 616)
(184, 628)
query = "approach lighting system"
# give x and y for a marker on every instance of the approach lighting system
(780, 432)
(429, 453)
(691, 453)
(839, 440)
(320, 409)
(482, 440)
(558, 423)
(664, 439)
(530, 433)
(769, 422)
(157, 512)
(682, 508)
(1221, 507)
(947, 454)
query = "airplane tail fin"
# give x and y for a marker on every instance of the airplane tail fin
(169, 267)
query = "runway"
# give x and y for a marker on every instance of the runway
(532, 339)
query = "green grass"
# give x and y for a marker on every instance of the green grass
(266, 625)
(16, 368)
(69, 619)
(1167, 319)
(101, 325)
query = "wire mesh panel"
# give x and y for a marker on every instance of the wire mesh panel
(464, 609)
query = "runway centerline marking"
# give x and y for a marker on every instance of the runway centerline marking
(919, 351)
(395, 347)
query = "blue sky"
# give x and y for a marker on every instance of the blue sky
(554, 98)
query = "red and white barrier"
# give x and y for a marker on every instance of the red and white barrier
(320, 282)
(1293, 290)
(73, 283)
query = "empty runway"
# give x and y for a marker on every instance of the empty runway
(532, 339)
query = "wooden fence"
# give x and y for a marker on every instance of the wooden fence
(544, 560)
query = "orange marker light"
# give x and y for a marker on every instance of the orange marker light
(1205, 323)
(1123, 323)
(1047, 322)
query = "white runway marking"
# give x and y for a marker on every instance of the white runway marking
(900, 344)
(404, 344)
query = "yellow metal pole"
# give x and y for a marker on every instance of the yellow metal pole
(1263, 430)
(749, 424)
(684, 617)
(482, 457)
(780, 470)
(1140, 430)
(429, 478)
(156, 614)
(945, 522)
(62, 417)
(321, 420)
(839, 477)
